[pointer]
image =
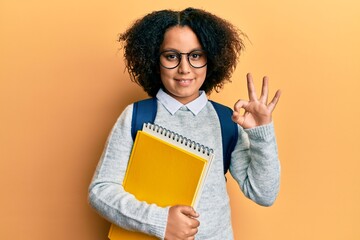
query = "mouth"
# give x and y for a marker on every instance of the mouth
(184, 82)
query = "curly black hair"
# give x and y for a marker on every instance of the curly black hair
(219, 38)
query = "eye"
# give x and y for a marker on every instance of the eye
(196, 55)
(171, 56)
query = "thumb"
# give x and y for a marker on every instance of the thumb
(189, 211)
(238, 118)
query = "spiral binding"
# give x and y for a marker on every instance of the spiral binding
(179, 138)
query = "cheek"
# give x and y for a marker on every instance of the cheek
(165, 75)
(162, 72)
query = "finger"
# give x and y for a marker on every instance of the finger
(251, 88)
(189, 211)
(239, 112)
(195, 223)
(238, 118)
(265, 90)
(191, 233)
(240, 104)
(274, 101)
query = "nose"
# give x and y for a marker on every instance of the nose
(184, 66)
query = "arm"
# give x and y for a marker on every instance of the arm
(255, 165)
(106, 193)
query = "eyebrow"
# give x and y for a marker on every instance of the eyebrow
(176, 50)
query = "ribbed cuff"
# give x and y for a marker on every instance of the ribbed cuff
(262, 132)
(161, 219)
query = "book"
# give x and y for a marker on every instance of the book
(165, 169)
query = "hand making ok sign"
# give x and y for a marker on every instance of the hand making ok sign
(257, 111)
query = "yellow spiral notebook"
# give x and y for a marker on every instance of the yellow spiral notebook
(166, 169)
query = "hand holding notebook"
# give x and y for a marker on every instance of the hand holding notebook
(181, 222)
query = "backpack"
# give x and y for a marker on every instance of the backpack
(144, 111)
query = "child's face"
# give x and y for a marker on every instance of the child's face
(184, 81)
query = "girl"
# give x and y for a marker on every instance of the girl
(179, 57)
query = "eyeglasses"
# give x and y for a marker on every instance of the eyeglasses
(171, 59)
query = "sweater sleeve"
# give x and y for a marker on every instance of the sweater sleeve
(106, 192)
(255, 164)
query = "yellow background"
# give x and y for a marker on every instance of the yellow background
(63, 84)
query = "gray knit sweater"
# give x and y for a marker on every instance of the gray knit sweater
(254, 166)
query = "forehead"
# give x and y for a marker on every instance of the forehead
(180, 38)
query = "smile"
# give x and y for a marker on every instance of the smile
(184, 82)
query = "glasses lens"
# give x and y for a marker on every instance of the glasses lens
(170, 59)
(197, 58)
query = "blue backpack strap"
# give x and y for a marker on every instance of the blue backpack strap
(229, 132)
(143, 111)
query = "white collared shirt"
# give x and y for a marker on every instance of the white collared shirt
(172, 105)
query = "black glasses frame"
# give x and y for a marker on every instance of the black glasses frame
(178, 54)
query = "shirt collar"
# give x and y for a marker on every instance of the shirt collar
(172, 105)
